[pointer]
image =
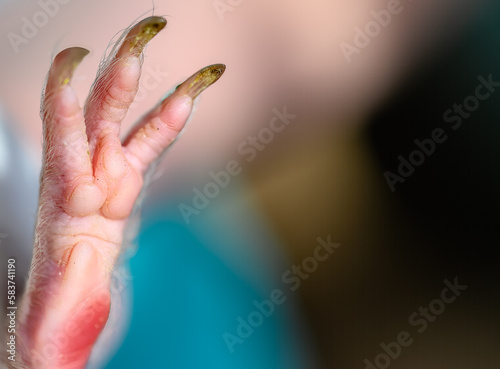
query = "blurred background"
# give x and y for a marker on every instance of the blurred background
(384, 144)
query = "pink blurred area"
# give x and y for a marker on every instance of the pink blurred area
(276, 53)
(191, 41)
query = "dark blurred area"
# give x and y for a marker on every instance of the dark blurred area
(453, 192)
(440, 223)
(445, 221)
(453, 196)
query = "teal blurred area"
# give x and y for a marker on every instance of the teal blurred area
(185, 297)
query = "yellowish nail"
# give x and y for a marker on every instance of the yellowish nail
(66, 62)
(201, 80)
(141, 34)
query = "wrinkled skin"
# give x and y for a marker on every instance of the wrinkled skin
(90, 182)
